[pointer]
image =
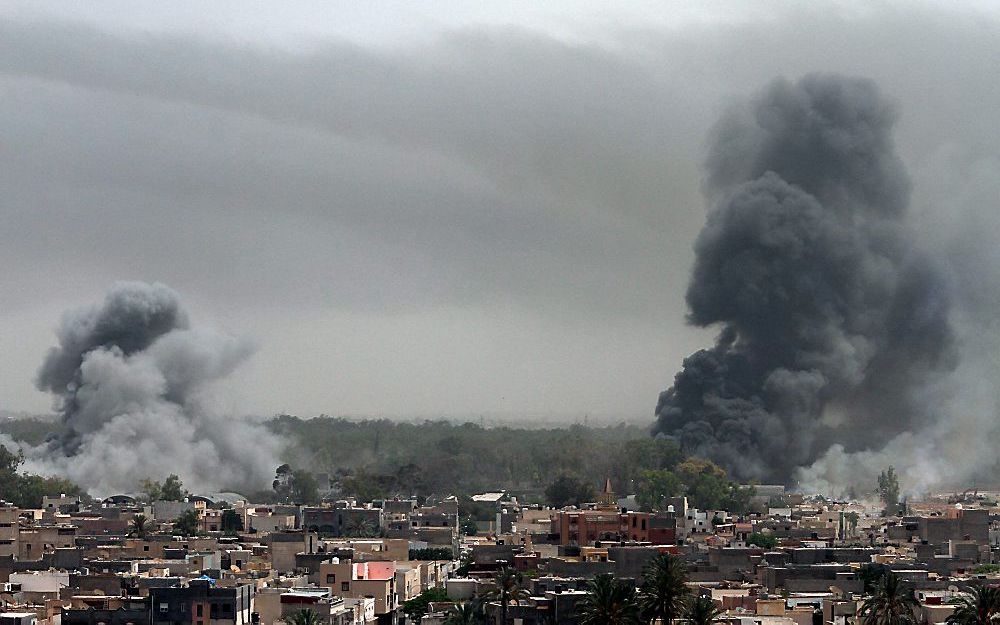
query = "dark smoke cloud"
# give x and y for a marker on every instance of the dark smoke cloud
(129, 376)
(831, 319)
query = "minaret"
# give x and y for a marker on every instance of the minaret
(607, 498)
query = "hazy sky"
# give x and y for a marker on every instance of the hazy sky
(436, 207)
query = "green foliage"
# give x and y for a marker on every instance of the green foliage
(891, 604)
(304, 617)
(30, 430)
(888, 491)
(139, 524)
(609, 601)
(985, 569)
(980, 607)
(468, 526)
(764, 541)
(567, 490)
(663, 590)
(464, 614)
(25, 490)
(187, 523)
(432, 553)
(655, 486)
(374, 459)
(871, 575)
(701, 611)
(231, 523)
(507, 588)
(416, 608)
(171, 489)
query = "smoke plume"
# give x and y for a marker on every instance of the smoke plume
(834, 326)
(129, 376)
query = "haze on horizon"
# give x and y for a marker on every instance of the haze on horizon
(443, 209)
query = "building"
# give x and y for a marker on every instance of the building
(201, 603)
(9, 526)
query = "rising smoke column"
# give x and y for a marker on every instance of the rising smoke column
(831, 321)
(128, 376)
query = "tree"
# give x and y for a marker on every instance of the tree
(304, 488)
(764, 541)
(432, 553)
(892, 603)
(172, 489)
(152, 489)
(464, 614)
(187, 523)
(416, 607)
(231, 523)
(25, 490)
(361, 527)
(980, 607)
(701, 611)
(871, 575)
(304, 617)
(705, 483)
(139, 526)
(663, 589)
(888, 491)
(609, 601)
(468, 526)
(506, 588)
(654, 487)
(567, 490)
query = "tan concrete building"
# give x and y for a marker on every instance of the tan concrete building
(9, 545)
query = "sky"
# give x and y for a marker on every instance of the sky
(439, 208)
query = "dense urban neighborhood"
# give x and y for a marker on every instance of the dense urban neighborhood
(167, 556)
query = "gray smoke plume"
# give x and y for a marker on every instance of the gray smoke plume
(129, 375)
(834, 326)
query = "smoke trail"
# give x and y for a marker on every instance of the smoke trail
(832, 322)
(128, 375)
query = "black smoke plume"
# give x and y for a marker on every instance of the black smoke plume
(831, 320)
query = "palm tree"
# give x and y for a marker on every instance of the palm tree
(664, 589)
(701, 611)
(892, 603)
(609, 602)
(304, 617)
(139, 525)
(980, 607)
(507, 588)
(464, 614)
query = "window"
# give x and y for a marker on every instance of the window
(331, 578)
(145, 547)
(164, 607)
(644, 524)
(199, 610)
(345, 586)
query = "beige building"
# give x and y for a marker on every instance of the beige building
(9, 545)
(355, 580)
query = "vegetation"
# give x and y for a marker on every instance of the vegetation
(374, 459)
(567, 490)
(139, 526)
(295, 486)
(468, 526)
(764, 541)
(464, 614)
(980, 607)
(172, 489)
(609, 601)
(231, 523)
(507, 588)
(416, 608)
(25, 490)
(871, 575)
(432, 553)
(187, 523)
(891, 604)
(701, 611)
(888, 491)
(984, 569)
(663, 590)
(304, 617)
